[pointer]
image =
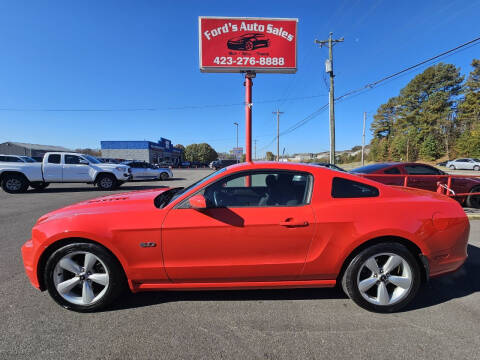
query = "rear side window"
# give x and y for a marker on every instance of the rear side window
(54, 159)
(421, 170)
(344, 188)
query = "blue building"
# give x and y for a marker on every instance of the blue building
(153, 152)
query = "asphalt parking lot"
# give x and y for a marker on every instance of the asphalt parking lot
(442, 323)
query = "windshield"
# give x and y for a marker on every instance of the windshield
(92, 159)
(370, 168)
(195, 184)
(27, 159)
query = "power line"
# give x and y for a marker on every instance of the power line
(370, 86)
(184, 107)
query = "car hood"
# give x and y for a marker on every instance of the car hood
(105, 166)
(107, 204)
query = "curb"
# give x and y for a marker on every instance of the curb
(473, 216)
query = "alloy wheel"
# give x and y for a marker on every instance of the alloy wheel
(13, 184)
(81, 278)
(106, 182)
(385, 279)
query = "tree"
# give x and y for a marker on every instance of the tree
(182, 148)
(420, 121)
(203, 153)
(469, 108)
(269, 155)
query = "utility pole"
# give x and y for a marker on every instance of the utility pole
(255, 149)
(278, 132)
(329, 69)
(363, 137)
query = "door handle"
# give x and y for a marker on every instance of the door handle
(290, 223)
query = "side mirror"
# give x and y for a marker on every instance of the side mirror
(198, 202)
(83, 162)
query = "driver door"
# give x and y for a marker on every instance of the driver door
(239, 239)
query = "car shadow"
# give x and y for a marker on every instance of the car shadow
(459, 284)
(92, 188)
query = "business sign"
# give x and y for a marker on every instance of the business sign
(237, 152)
(247, 44)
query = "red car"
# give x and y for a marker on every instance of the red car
(251, 226)
(460, 185)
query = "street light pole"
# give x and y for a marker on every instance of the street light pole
(236, 155)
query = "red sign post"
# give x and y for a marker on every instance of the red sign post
(247, 45)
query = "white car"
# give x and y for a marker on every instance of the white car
(58, 167)
(142, 170)
(16, 158)
(464, 164)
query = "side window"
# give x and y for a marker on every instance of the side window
(54, 159)
(392, 170)
(344, 188)
(421, 170)
(72, 159)
(11, 159)
(260, 189)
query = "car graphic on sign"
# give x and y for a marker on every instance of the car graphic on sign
(249, 41)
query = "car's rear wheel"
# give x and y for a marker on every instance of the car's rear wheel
(476, 168)
(106, 182)
(83, 277)
(473, 201)
(382, 278)
(39, 185)
(14, 183)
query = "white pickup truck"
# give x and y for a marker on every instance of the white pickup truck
(59, 167)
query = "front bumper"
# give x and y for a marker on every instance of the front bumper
(28, 256)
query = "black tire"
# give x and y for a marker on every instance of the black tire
(14, 183)
(452, 167)
(116, 282)
(106, 182)
(350, 279)
(164, 176)
(39, 185)
(473, 201)
(476, 168)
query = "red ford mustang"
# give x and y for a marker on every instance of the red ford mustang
(250, 226)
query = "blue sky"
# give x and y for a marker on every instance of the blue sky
(143, 54)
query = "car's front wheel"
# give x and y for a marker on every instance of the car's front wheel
(452, 167)
(473, 201)
(476, 168)
(106, 182)
(164, 176)
(83, 277)
(382, 278)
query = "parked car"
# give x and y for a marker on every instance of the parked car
(460, 185)
(250, 226)
(464, 164)
(185, 164)
(328, 165)
(219, 164)
(110, 160)
(248, 42)
(142, 170)
(61, 168)
(16, 158)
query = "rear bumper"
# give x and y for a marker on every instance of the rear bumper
(28, 257)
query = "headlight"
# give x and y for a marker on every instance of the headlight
(120, 168)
